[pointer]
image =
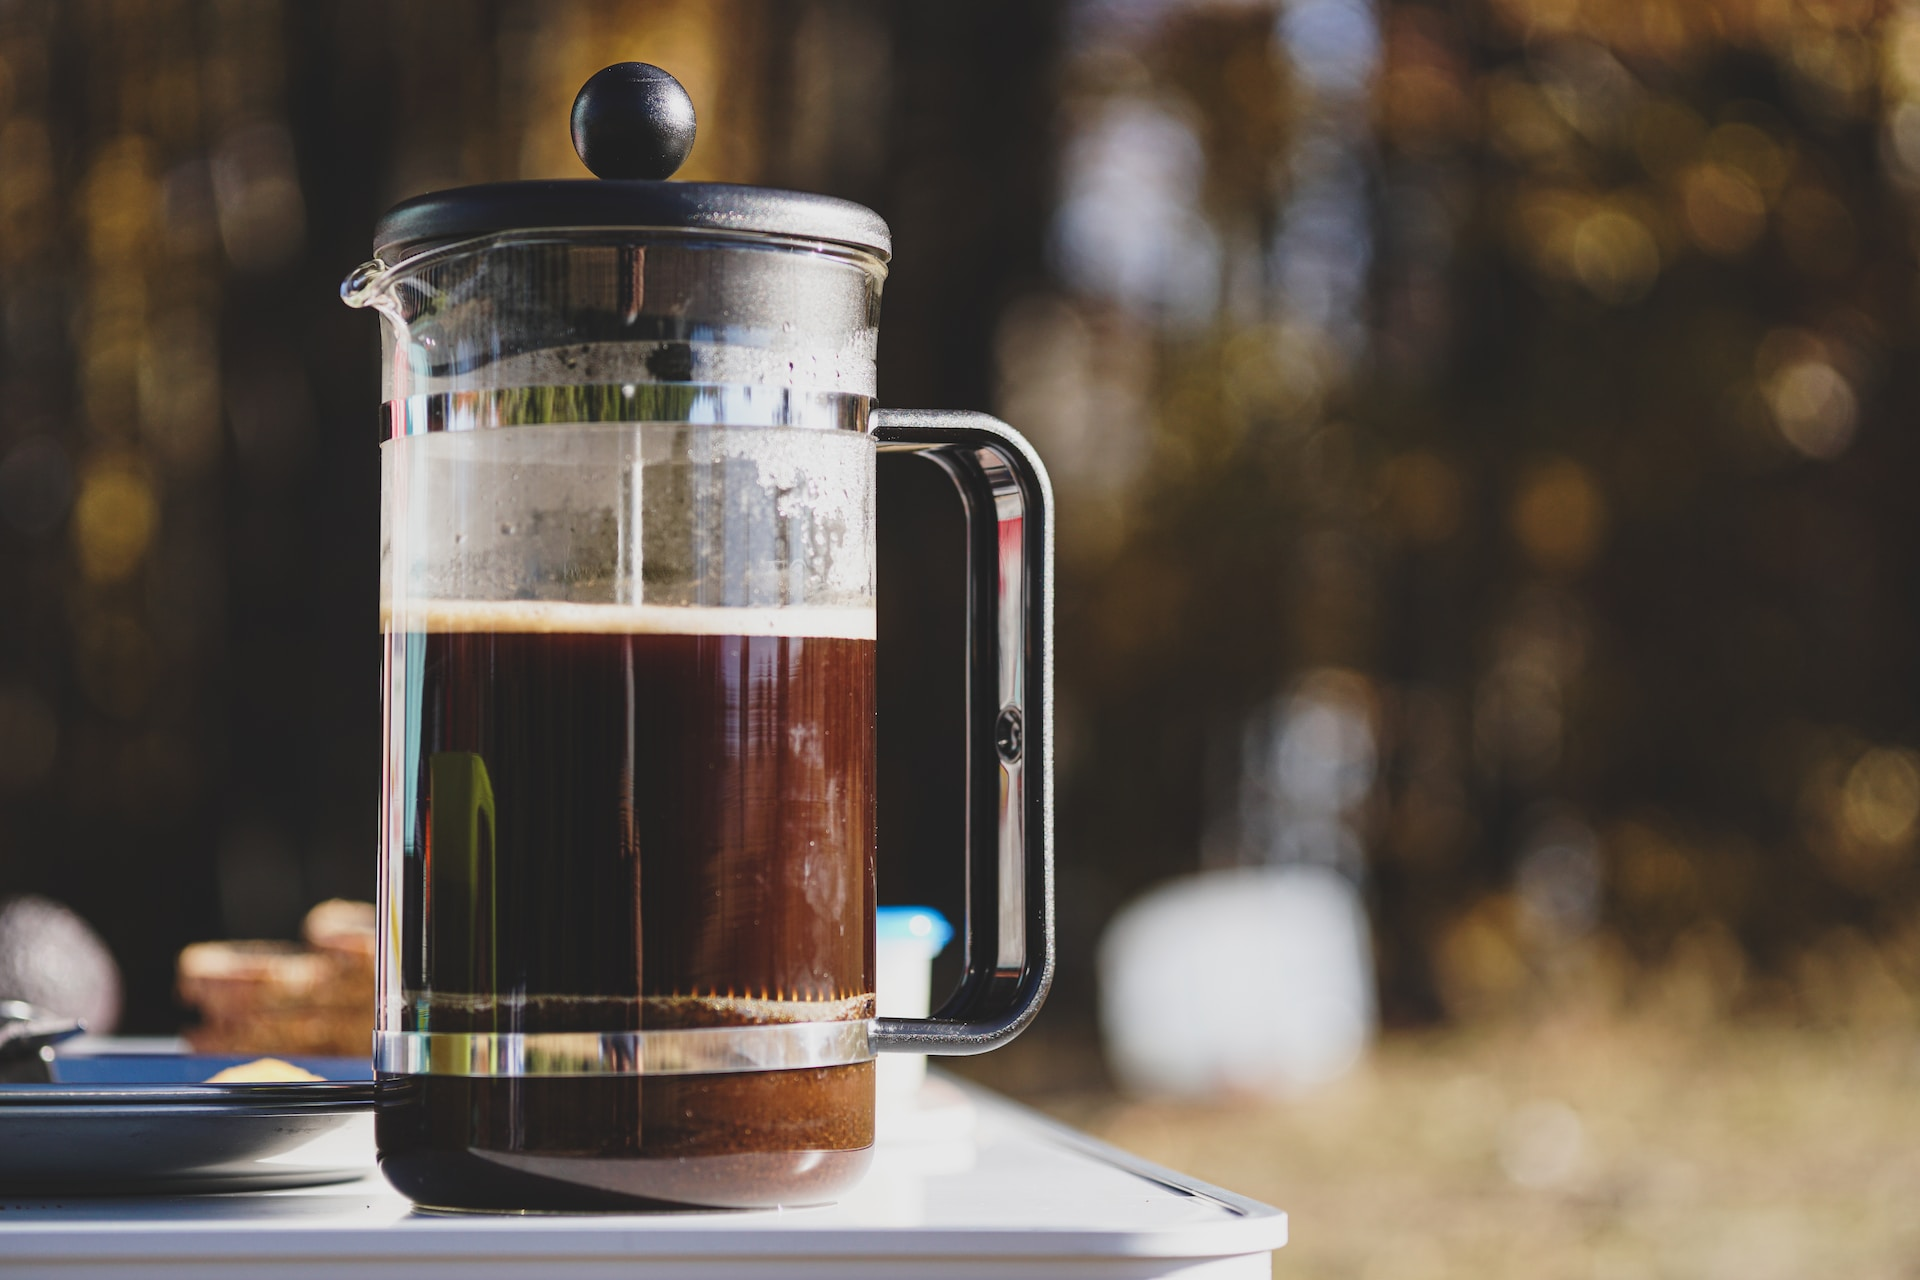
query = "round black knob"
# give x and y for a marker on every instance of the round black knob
(632, 120)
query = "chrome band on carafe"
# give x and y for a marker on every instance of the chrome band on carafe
(784, 1046)
(692, 402)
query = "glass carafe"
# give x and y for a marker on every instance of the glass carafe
(627, 614)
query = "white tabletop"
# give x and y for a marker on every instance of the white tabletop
(962, 1183)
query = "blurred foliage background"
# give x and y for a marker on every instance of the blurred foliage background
(1481, 432)
(1501, 403)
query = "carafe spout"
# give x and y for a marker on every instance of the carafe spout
(364, 285)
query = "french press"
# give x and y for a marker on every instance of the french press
(626, 893)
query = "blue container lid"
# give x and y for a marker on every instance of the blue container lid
(913, 924)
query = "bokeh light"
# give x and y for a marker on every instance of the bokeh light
(1880, 800)
(113, 517)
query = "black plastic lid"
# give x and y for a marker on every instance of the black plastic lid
(633, 126)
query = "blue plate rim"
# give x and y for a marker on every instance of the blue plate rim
(134, 1085)
(302, 1096)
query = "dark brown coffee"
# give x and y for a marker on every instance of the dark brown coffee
(620, 819)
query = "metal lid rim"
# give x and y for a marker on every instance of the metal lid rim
(553, 204)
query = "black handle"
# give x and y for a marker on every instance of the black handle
(1007, 934)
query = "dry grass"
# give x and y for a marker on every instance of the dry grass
(1597, 1150)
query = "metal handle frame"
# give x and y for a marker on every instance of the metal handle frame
(1007, 933)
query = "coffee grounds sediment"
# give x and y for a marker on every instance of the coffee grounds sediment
(464, 1012)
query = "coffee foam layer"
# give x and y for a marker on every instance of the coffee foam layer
(567, 617)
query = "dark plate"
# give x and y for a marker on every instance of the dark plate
(146, 1124)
